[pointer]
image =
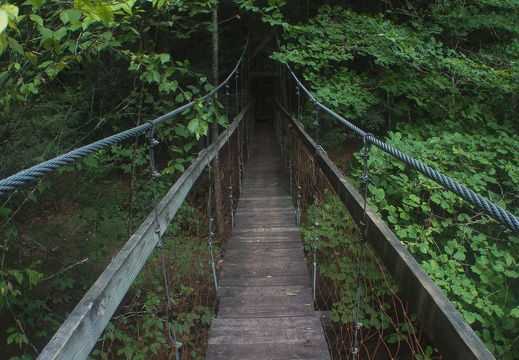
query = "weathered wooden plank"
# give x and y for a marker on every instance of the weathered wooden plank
(260, 217)
(287, 330)
(79, 333)
(273, 338)
(266, 300)
(269, 280)
(272, 310)
(267, 290)
(257, 270)
(256, 231)
(264, 239)
(234, 256)
(273, 243)
(442, 322)
(263, 351)
(264, 204)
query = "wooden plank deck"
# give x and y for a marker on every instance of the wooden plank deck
(266, 309)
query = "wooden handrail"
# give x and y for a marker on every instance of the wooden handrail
(78, 334)
(444, 325)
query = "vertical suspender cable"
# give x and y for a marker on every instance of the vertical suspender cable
(316, 224)
(211, 233)
(357, 325)
(230, 181)
(236, 91)
(154, 175)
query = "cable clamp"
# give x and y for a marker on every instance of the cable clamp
(354, 351)
(365, 179)
(364, 154)
(357, 325)
(155, 174)
(177, 344)
(153, 142)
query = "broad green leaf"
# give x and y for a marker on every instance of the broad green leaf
(37, 3)
(11, 10)
(4, 20)
(379, 194)
(90, 161)
(46, 32)
(15, 45)
(458, 255)
(37, 19)
(164, 58)
(5, 211)
(74, 16)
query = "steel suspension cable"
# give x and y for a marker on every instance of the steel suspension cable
(231, 199)
(316, 224)
(23, 177)
(357, 325)
(498, 213)
(154, 176)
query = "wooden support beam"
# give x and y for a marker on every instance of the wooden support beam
(445, 326)
(78, 334)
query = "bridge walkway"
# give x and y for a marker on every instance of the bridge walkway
(266, 309)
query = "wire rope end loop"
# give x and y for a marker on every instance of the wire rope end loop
(367, 141)
(153, 127)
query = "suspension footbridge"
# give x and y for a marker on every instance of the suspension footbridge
(267, 285)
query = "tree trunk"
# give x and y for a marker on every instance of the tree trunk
(218, 190)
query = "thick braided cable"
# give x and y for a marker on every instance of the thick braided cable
(15, 181)
(501, 215)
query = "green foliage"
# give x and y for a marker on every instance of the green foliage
(338, 250)
(470, 257)
(141, 330)
(404, 68)
(444, 74)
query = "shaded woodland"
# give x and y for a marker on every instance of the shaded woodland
(439, 80)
